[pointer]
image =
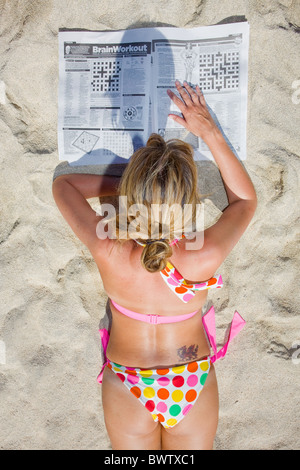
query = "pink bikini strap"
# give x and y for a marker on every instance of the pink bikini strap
(210, 327)
(153, 319)
(104, 335)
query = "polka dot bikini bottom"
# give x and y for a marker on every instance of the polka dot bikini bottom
(168, 394)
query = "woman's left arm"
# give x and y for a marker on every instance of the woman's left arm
(71, 192)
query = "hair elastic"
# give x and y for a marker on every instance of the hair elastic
(148, 242)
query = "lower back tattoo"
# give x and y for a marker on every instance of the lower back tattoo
(188, 353)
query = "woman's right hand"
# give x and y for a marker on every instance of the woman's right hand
(196, 117)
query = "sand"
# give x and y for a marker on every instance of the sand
(52, 298)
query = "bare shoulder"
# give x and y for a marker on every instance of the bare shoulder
(197, 259)
(108, 253)
(200, 257)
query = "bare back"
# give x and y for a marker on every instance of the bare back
(140, 344)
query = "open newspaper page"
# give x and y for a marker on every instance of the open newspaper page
(215, 58)
(113, 88)
(103, 95)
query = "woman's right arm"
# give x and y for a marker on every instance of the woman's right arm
(223, 235)
(71, 192)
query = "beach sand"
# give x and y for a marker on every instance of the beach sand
(52, 298)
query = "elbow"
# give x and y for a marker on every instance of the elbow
(59, 181)
(59, 186)
(253, 202)
(250, 201)
(250, 207)
(56, 184)
(253, 199)
(56, 189)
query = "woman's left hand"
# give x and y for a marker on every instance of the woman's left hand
(196, 116)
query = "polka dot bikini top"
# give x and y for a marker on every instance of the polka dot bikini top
(179, 285)
(181, 288)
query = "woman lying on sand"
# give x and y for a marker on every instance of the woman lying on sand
(159, 386)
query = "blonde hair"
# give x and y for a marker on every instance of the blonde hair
(159, 175)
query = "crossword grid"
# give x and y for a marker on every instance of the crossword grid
(106, 75)
(219, 71)
(86, 141)
(118, 142)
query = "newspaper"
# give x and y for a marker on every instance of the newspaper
(113, 88)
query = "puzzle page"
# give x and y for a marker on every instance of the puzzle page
(215, 58)
(113, 88)
(103, 95)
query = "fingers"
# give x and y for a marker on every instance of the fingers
(183, 93)
(200, 95)
(188, 95)
(191, 100)
(194, 96)
(179, 103)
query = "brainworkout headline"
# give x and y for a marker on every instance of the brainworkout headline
(115, 49)
(92, 50)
